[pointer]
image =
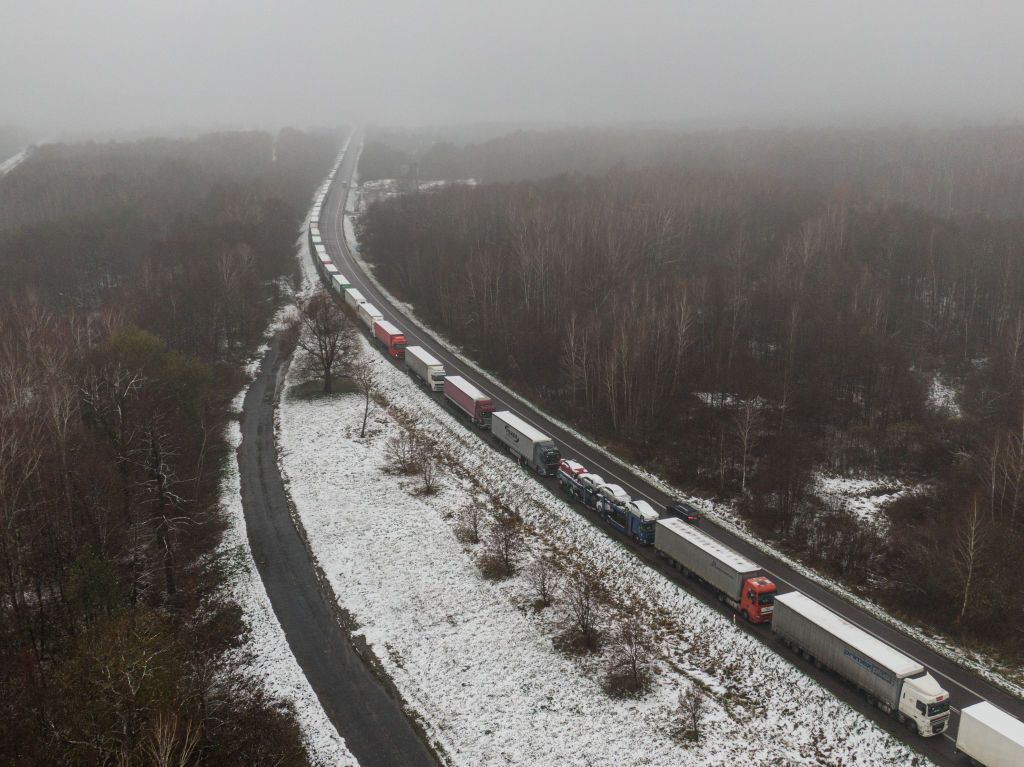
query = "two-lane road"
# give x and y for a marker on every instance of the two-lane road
(965, 687)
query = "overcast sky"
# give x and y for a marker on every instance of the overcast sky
(140, 64)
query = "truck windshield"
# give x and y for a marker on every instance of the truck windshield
(767, 598)
(647, 527)
(934, 709)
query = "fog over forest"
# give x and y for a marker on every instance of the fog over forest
(122, 65)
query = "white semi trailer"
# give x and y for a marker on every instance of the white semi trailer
(990, 737)
(425, 366)
(894, 682)
(369, 314)
(353, 298)
(530, 445)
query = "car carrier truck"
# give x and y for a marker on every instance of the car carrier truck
(530, 445)
(736, 580)
(894, 682)
(390, 337)
(990, 737)
(637, 520)
(469, 400)
(425, 366)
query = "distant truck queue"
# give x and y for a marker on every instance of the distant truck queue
(894, 682)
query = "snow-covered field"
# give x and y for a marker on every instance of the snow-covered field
(13, 162)
(271, 661)
(478, 664)
(942, 397)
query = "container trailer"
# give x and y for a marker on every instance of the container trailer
(425, 366)
(894, 682)
(990, 737)
(469, 400)
(340, 283)
(369, 314)
(530, 445)
(353, 298)
(737, 581)
(388, 336)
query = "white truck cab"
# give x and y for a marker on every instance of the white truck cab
(925, 703)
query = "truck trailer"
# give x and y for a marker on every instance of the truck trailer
(530, 445)
(425, 366)
(736, 580)
(390, 337)
(990, 737)
(369, 314)
(894, 682)
(612, 499)
(353, 298)
(340, 283)
(590, 486)
(469, 400)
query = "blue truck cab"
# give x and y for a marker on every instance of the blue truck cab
(642, 518)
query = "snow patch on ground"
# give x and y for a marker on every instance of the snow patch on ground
(721, 514)
(943, 398)
(478, 665)
(865, 498)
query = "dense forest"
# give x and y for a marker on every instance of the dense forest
(745, 311)
(134, 279)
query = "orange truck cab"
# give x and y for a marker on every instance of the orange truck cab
(758, 600)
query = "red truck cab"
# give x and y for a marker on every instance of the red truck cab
(390, 337)
(757, 603)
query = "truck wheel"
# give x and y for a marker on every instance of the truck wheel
(745, 615)
(911, 724)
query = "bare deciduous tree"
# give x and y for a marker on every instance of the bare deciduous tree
(544, 581)
(747, 422)
(692, 707)
(968, 553)
(504, 543)
(366, 381)
(326, 330)
(630, 669)
(584, 604)
(470, 520)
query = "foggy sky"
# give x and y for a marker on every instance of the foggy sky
(126, 65)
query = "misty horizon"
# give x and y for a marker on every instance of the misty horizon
(130, 68)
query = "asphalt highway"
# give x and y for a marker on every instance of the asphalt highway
(965, 686)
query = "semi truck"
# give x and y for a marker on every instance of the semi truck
(425, 366)
(736, 580)
(469, 400)
(353, 298)
(530, 445)
(389, 336)
(636, 519)
(990, 737)
(369, 314)
(892, 681)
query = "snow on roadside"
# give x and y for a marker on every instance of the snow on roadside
(1010, 680)
(479, 667)
(271, 660)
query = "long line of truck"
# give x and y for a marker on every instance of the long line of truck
(891, 680)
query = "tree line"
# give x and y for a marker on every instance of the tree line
(741, 329)
(136, 278)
